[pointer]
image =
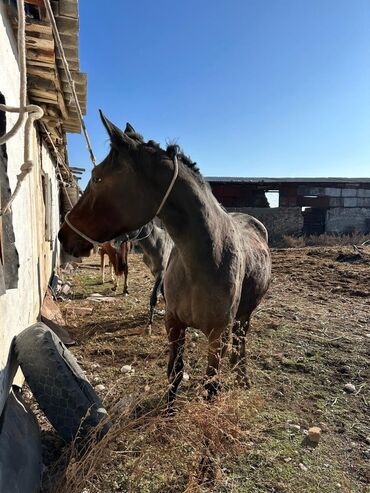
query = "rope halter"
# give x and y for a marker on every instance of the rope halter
(119, 239)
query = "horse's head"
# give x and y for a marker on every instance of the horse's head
(123, 194)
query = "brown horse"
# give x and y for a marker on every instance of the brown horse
(118, 261)
(219, 268)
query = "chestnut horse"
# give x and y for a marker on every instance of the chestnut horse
(118, 261)
(220, 266)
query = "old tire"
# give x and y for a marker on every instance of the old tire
(20, 447)
(59, 384)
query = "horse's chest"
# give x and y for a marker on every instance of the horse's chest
(204, 301)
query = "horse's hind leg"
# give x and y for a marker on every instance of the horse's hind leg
(239, 357)
(176, 339)
(225, 342)
(124, 253)
(125, 273)
(153, 303)
(235, 343)
(214, 359)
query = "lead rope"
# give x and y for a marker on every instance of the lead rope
(169, 189)
(175, 174)
(85, 237)
(33, 111)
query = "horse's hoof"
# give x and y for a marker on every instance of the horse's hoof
(170, 411)
(212, 389)
(125, 293)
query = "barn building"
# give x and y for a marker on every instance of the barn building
(305, 205)
(29, 249)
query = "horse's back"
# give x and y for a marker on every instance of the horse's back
(250, 223)
(254, 240)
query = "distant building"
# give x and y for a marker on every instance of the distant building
(306, 205)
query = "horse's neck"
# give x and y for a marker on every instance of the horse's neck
(195, 221)
(148, 242)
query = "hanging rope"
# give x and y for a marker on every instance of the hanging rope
(69, 77)
(32, 111)
(60, 161)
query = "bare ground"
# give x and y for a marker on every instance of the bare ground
(309, 338)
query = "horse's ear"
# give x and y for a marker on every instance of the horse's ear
(116, 135)
(129, 129)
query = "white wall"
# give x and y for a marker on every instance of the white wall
(20, 307)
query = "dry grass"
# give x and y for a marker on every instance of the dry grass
(326, 239)
(308, 340)
(152, 452)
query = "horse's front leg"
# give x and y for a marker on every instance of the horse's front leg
(111, 267)
(176, 339)
(102, 266)
(215, 344)
(153, 303)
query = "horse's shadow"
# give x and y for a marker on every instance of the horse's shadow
(150, 408)
(131, 327)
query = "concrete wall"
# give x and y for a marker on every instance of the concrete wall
(279, 221)
(20, 307)
(347, 220)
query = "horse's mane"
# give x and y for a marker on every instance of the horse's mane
(171, 151)
(175, 149)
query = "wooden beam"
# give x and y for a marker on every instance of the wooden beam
(76, 168)
(42, 72)
(40, 28)
(40, 44)
(60, 95)
(40, 63)
(41, 56)
(43, 96)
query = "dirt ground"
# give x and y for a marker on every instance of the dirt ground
(310, 337)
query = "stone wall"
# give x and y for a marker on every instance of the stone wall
(278, 221)
(347, 220)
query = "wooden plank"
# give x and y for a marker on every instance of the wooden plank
(60, 96)
(68, 8)
(41, 56)
(40, 63)
(50, 120)
(36, 28)
(43, 73)
(76, 168)
(44, 96)
(74, 129)
(40, 43)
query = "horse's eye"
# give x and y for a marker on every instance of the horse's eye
(96, 180)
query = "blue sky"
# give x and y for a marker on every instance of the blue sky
(246, 87)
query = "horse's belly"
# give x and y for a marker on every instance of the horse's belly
(202, 308)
